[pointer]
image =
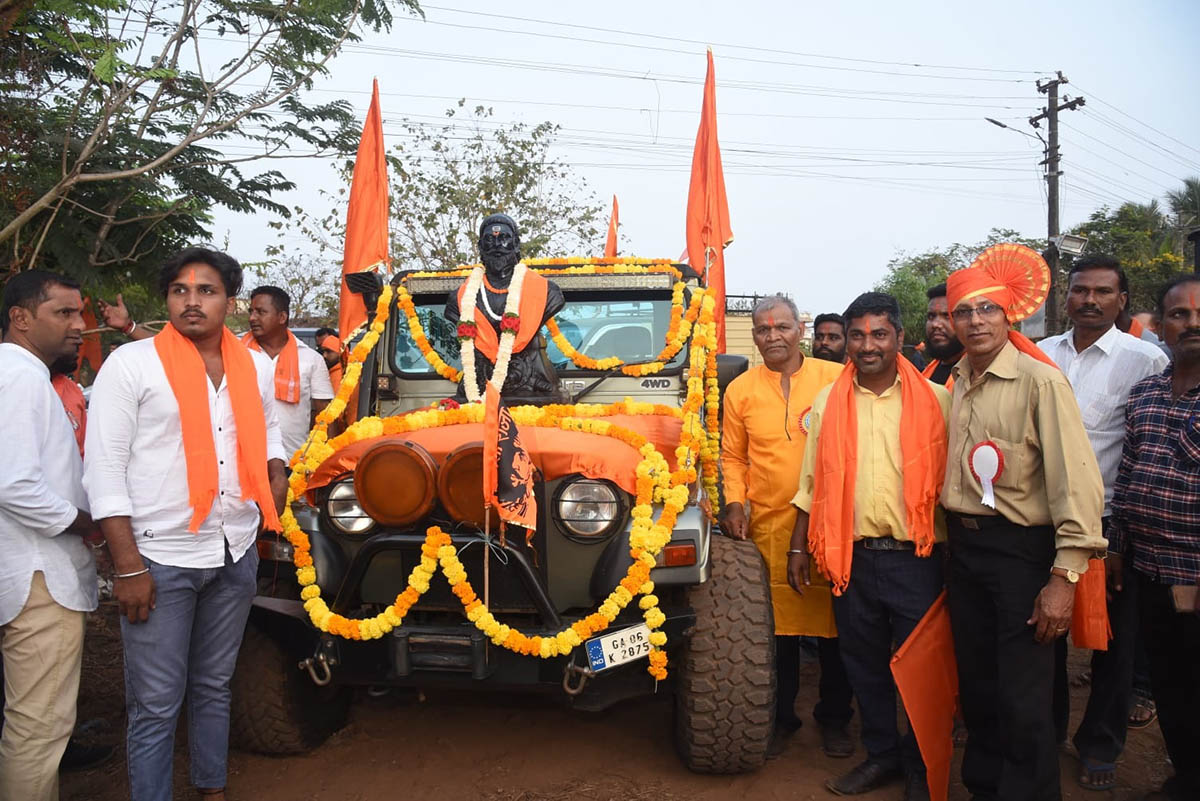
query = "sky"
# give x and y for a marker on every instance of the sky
(851, 132)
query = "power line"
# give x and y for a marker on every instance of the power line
(1159, 150)
(1140, 122)
(1123, 152)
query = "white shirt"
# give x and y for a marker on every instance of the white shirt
(41, 491)
(135, 466)
(294, 418)
(1102, 376)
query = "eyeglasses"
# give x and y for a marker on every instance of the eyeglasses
(983, 310)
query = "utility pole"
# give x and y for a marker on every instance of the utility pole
(1050, 114)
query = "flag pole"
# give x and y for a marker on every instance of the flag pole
(487, 554)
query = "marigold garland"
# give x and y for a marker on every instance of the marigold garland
(405, 302)
(699, 445)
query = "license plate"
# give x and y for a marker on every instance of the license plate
(618, 647)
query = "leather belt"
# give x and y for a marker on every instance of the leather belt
(886, 544)
(978, 522)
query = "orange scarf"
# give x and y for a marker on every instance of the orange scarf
(923, 464)
(931, 368)
(1135, 329)
(287, 368)
(188, 378)
(532, 307)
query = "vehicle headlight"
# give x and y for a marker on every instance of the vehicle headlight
(345, 512)
(588, 509)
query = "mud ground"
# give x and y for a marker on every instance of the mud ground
(442, 745)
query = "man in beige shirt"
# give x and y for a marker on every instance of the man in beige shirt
(1023, 497)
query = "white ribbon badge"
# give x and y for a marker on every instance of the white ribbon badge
(986, 463)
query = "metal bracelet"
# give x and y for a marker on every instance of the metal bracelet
(134, 574)
(793, 550)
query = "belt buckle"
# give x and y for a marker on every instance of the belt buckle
(969, 522)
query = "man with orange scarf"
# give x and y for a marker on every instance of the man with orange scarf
(1023, 497)
(765, 425)
(302, 386)
(331, 349)
(873, 469)
(183, 467)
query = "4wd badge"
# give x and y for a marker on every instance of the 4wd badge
(656, 383)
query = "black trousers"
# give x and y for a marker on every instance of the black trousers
(888, 594)
(1173, 646)
(1005, 678)
(834, 695)
(1101, 733)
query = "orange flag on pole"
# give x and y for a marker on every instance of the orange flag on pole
(366, 217)
(926, 674)
(708, 230)
(610, 247)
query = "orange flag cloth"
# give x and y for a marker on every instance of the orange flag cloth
(507, 468)
(926, 674)
(91, 350)
(185, 371)
(923, 463)
(1089, 621)
(366, 217)
(610, 246)
(707, 207)
(287, 368)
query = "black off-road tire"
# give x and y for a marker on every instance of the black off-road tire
(276, 707)
(725, 697)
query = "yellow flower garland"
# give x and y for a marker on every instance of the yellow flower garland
(655, 484)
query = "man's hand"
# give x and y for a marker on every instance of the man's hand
(1114, 574)
(736, 525)
(135, 596)
(114, 315)
(797, 572)
(1052, 610)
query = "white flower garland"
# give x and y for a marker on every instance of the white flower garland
(508, 339)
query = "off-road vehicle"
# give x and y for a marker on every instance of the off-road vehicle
(294, 684)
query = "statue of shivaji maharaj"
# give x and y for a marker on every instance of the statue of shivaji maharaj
(499, 310)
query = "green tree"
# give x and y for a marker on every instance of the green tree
(1145, 241)
(1185, 207)
(910, 275)
(445, 179)
(123, 123)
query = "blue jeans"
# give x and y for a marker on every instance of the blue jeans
(188, 646)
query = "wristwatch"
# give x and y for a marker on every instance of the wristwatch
(1070, 575)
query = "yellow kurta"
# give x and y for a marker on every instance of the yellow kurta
(762, 449)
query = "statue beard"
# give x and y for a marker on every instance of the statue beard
(500, 265)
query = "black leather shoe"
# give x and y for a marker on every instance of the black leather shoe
(916, 787)
(864, 778)
(784, 729)
(836, 742)
(78, 756)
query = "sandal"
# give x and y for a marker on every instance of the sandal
(1097, 775)
(1143, 713)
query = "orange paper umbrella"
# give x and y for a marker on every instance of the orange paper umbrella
(926, 674)
(1022, 271)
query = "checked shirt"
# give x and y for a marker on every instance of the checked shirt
(1156, 501)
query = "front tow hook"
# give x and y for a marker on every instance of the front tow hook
(318, 667)
(580, 676)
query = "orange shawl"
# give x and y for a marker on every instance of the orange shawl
(533, 306)
(287, 368)
(923, 455)
(187, 376)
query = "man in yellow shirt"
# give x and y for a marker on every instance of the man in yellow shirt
(764, 429)
(872, 472)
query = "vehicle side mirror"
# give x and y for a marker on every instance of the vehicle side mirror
(729, 367)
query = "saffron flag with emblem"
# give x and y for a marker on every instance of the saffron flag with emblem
(610, 247)
(366, 218)
(507, 468)
(926, 674)
(708, 230)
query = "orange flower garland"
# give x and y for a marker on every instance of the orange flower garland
(405, 301)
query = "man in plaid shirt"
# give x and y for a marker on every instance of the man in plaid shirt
(1155, 540)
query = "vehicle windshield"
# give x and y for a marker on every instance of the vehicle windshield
(633, 329)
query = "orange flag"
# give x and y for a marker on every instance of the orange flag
(926, 674)
(1089, 621)
(507, 468)
(708, 230)
(610, 247)
(366, 217)
(91, 350)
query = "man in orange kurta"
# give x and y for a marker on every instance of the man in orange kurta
(764, 431)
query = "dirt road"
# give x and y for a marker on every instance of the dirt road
(461, 746)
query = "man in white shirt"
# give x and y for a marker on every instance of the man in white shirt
(1103, 364)
(302, 387)
(183, 460)
(47, 574)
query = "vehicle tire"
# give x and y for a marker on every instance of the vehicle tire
(276, 708)
(725, 697)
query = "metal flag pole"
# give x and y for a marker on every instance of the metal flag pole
(487, 554)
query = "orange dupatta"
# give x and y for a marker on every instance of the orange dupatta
(287, 368)
(187, 376)
(923, 453)
(533, 306)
